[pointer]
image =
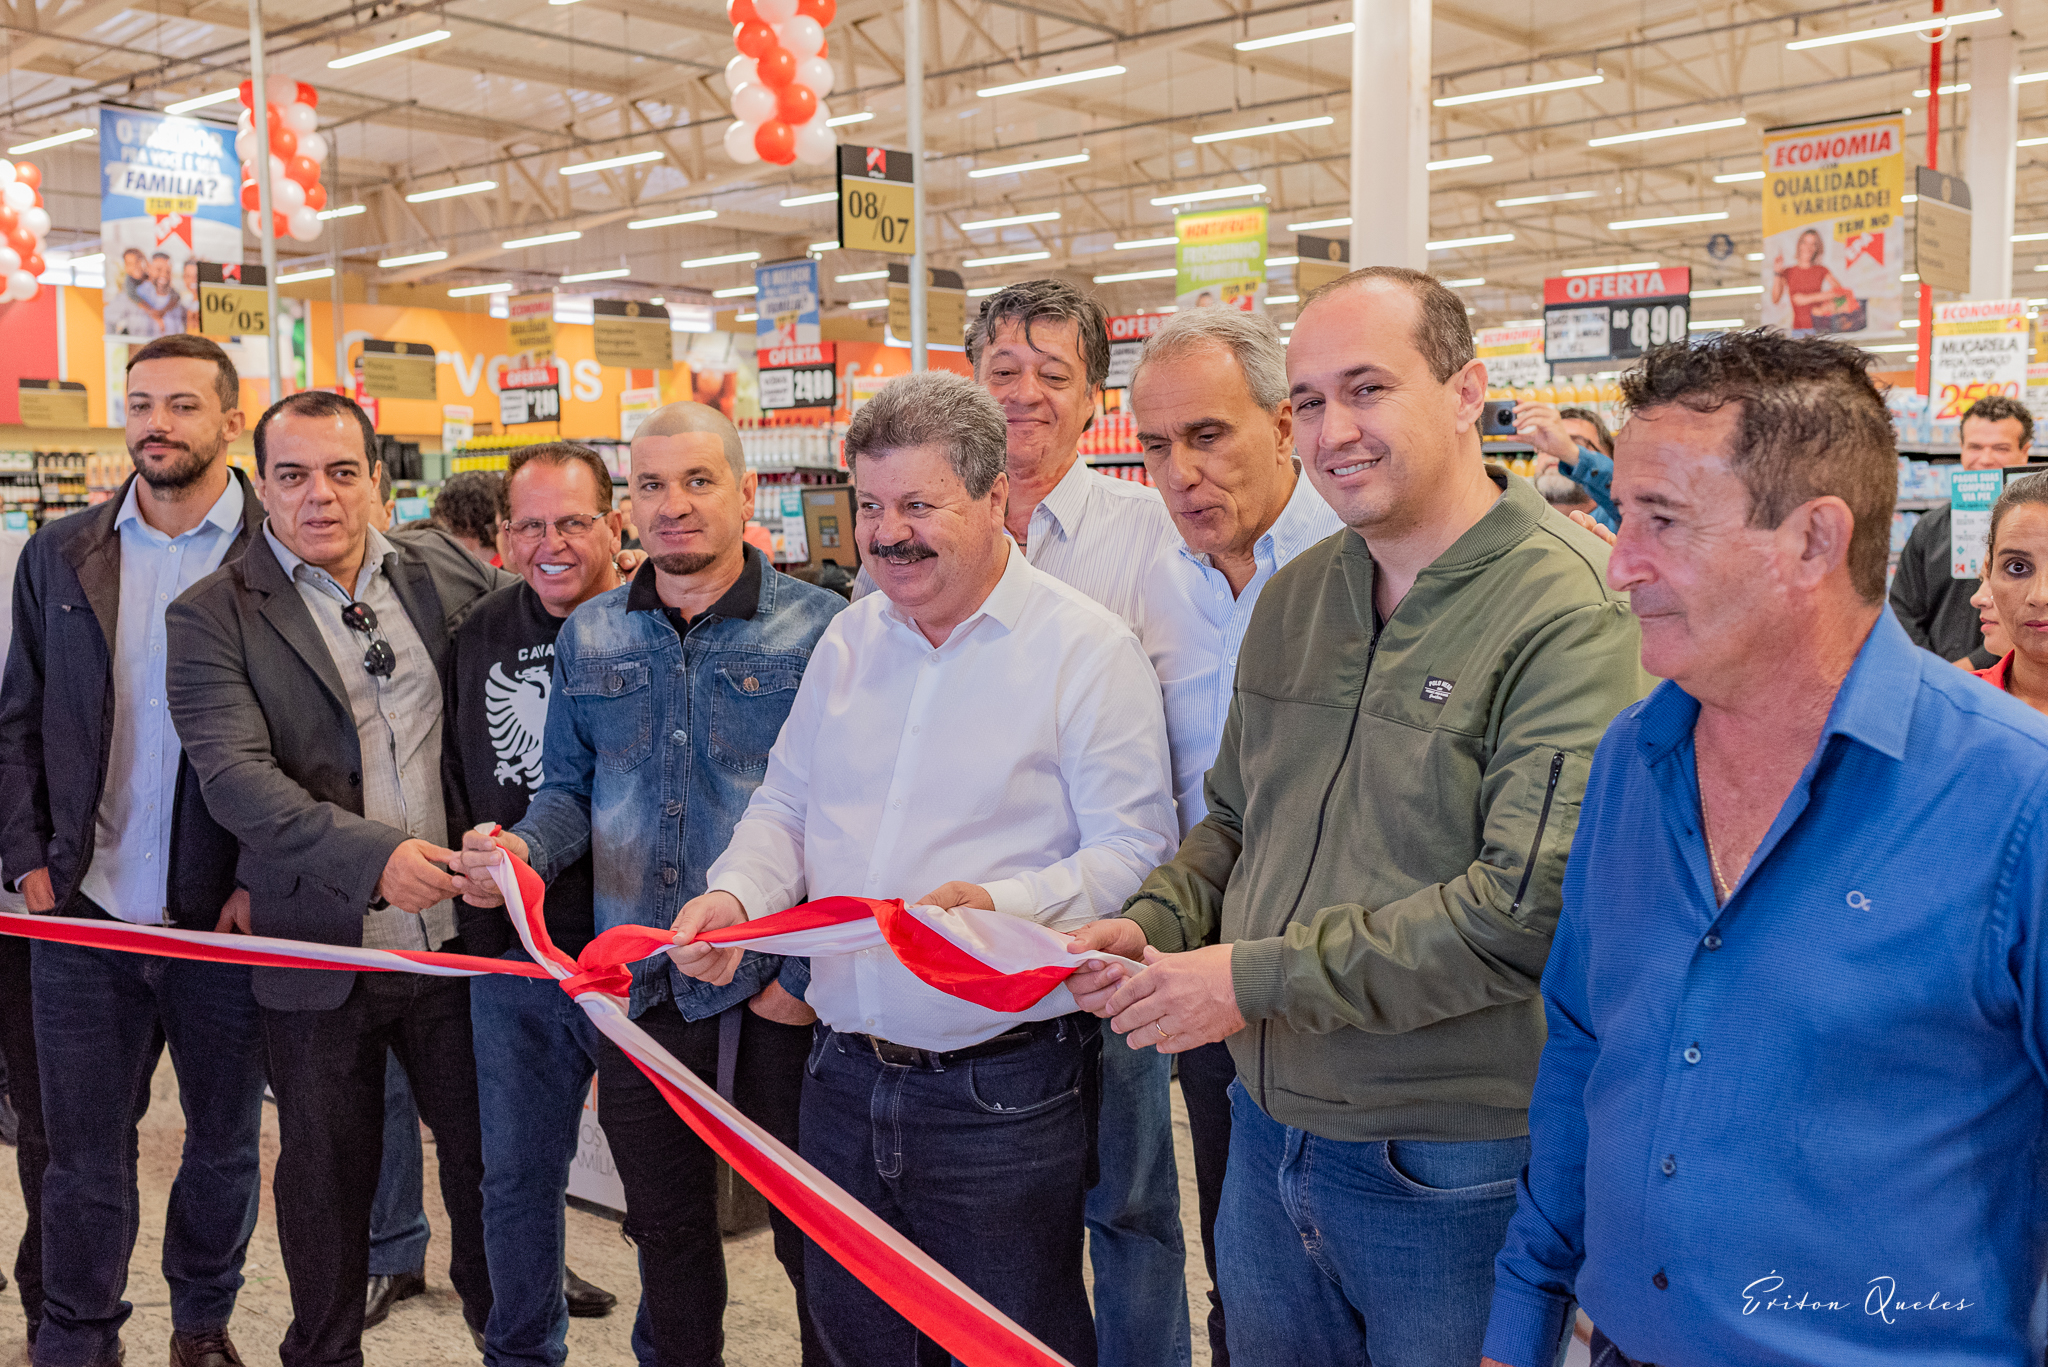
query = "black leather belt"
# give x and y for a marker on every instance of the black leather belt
(904, 1056)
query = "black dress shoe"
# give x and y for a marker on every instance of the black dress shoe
(208, 1348)
(586, 1302)
(386, 1292)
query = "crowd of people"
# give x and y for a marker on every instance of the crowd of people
(1503, 981)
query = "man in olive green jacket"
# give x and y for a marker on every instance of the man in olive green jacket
(1365, 912)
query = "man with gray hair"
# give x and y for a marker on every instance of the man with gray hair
(1210, 397)
(969, 1130)
(665, 696)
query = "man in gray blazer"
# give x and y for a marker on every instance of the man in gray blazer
(305, 680)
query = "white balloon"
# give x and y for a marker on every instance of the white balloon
(6, 173)
(739, 143)
(245, 148)
(313, 145)
(774, 11)
(816, 73)
(801, 34)
(286, 195)
(37, 221)
(304, 223)
(753, 103)
(21, 285)
(18, 196)
(255, 221)
(281, 89)
(10, 262)
(739, 71)
(277, 168)
(246, 122)
(300, 118)
(815, 143)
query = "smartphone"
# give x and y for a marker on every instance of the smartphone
(1497, 418)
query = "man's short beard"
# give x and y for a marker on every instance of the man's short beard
(684, 562)
(178, 472)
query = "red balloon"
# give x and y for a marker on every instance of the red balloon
(275, 116)
(742, 12)
(28, 174)
(33, 263)
(8, 218)
(280, 226)
(824, 48)
(249, 195)
(776, 142)
(23, 241)
(304, 170)
(316, 195)
(284, 144)
(308, 96)
(795, 103)
(777, 67)
(247, 94)
(820, 10)
(753, 39)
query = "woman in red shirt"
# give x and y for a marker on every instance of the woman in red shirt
(1812, 285)
(2014, 596)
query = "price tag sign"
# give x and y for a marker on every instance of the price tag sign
(877, 201)
(1614, 315)
(399, 370)
(529, 396)
(631, 335)
(51, 403)
(799, 377)
(232, 300)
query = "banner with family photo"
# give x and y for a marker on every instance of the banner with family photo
(169, 199)
(1834, 233)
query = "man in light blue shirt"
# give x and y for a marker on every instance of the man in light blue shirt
(1210, 396)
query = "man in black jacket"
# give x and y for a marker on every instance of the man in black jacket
(306, 681)
(100, 816)
(1930, 602)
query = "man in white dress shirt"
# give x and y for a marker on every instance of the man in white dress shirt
(976, 734)
(1210, 397)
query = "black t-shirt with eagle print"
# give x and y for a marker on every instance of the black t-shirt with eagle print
(495, 713)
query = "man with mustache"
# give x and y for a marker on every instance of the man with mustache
(665, 698)
(1365, 911)
(101, 816)
(1010, 756)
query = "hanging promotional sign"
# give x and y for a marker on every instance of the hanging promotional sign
(530, 395)
(232, 300)
(169, 199)
(1127, 334)
(530, 320)
(1221, 259)
(798, 376)
(631, 335)
(877, 200)
(945, 305)
(399, 370)
(1979, 348)
(1322, 261)
(1514, 356)
(1834, 239)
(1614, 315)
(786, 304)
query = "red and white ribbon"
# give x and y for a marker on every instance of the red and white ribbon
(1001, 962)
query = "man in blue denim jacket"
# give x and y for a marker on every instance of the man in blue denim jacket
(668, 693)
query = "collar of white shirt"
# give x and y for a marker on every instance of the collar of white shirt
(1066, 503)
(1005, 602)
(1304, 520)
(225, 514)
(373, 558)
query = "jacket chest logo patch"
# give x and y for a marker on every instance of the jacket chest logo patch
(1437, 690)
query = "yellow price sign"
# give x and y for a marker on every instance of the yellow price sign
(233, 311)
(160, 206)
(877, 201)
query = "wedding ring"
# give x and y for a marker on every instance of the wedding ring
(1163, 1032)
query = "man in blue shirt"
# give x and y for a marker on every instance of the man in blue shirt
(1792, 1096)
(1574, 442)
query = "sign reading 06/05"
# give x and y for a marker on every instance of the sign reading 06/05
(877, 201)
(232, 300)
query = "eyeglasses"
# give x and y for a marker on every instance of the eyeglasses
(533, 528)
(380, 659)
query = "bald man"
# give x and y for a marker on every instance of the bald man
(667, 694)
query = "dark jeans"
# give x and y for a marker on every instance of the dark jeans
(1605, 1354)
(982, 1164)
(25, 1091)
(327, 1071)
(399, 1234)
(1205, 1077)
(102, 1021)
(671, 1176)
(535, 1052)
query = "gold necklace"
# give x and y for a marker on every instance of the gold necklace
(1722, 886)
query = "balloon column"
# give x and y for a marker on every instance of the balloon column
(779, 82)
(296, 151)
(24, 223)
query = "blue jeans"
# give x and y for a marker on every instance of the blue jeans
(980, 1163)
(1135, 1241)
(398, 1218)
(102, 1020)
(535, 1053)
(1325, 1247)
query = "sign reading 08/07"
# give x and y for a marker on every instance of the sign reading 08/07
(877, 201)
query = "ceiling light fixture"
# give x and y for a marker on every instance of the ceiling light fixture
(729, 259)
(1040, 165)
(845, 119)
(1453, 243)
(502, 287)
(1544, 199)
(607, 163)
(1012, 221)
(1464, 284)
(388, 50)
(736, 292)
(1011, 260)
(1048, 82)
(859, 275)
(583, 276)
(1609, 270)
(345, 211)
(1135, 243)
(1957, 89)
(518, 243)
(1714, 324)
(1667, 221)
(1541, 87)
(798, 201)
(1119, 278)
(1313, 224)
(2031, 142)
(1259, 130)
(984, 290)
(1197, 196)
(1647, 134)
(475, 187)
(295, 277)
(823, 247)
(1283, 299)
(1454, 163)
(202, 101)
(2030, 237)
(414, 259)
(1728, 292)
(1893, 30)
(75, 135)
(1298, 36)
(1737, 177)
(869, 304)
(694, 216)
